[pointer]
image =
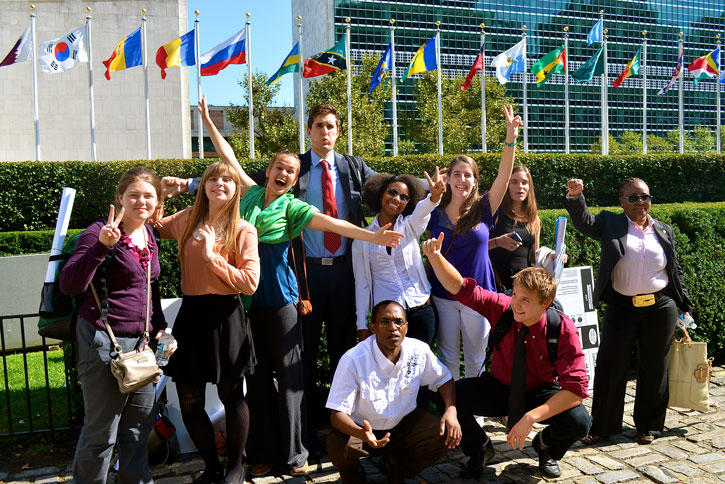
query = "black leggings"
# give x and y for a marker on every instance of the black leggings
(196, 420)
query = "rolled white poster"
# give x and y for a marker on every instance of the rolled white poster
(61, 229)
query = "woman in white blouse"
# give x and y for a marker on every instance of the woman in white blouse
(397, 274)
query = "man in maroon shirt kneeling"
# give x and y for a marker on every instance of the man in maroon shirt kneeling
(524, 383)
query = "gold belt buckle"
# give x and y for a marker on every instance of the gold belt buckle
(327, 261)
(643, 300)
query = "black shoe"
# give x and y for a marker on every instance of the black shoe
(210, 477)
(548, 466)
(474, 467)
(392, 472)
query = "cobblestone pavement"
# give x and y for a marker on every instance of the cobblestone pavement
(690, 450)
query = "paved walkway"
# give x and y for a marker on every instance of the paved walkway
(691, 450)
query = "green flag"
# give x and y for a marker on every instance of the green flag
(593, 67)
(551, 63)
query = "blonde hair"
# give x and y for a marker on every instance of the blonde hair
(540, 281)
(228, 215)
(529, 210)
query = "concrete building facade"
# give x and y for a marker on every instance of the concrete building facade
(63, 98)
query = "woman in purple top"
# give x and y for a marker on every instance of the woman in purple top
(119, 252)
(465, 218)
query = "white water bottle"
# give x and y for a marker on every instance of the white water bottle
(162, 348)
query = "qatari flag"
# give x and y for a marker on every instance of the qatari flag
(20, 51)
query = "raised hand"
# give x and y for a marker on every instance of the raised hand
(432, 246)
(172, 186)
(209, 237)
(203, 108)
(507, 242)
(437, 185)
(110, 234)
(386, 237)
(370, 439)
(512, 124)
(575, 186)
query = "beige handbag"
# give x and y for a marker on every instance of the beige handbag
(134, 369)
(689, 374)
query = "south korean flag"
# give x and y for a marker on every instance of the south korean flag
(61, 54)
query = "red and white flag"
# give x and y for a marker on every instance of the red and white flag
(21, 50)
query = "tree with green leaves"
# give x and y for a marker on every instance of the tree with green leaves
(275, 129)
(369, 128)
(461, 114)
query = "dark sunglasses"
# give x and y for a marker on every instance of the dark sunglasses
(385, 323)
(645, 197)
(395, 193)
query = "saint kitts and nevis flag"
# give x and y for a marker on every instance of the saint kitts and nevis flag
(331, 60)
(423, 60)
(706, 66)
(179, 52)
(551, 63)
(632, 69)
(291, 63)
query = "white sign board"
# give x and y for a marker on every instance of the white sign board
(575, 292)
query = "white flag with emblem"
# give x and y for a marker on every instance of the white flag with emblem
(510, 62)
(61, 54)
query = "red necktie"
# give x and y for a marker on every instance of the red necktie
(329, 207)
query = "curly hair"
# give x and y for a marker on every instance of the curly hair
(627, 182)
(376, 186)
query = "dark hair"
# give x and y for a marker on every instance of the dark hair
(375, 187)
(322, 110)
(288, 154)
(382, 304)
(470, 212)
(629, 181)
(529, 212)
(139, 173)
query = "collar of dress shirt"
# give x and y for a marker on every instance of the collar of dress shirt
(382, 361)
(650, 222)
(316, 159)
(376, 223)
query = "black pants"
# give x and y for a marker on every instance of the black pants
(422, 323)
(485, 395)
(332, 294)
(652, 329)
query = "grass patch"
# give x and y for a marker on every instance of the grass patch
(36, 417)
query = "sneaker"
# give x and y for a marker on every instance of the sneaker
(474, 467)
(547, 466)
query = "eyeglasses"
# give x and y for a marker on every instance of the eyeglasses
(395, 193)
(645, 197)
(385, 323)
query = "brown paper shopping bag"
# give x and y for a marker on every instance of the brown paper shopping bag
(689, 374)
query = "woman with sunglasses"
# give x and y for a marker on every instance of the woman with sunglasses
(641, 281)
(383, 274)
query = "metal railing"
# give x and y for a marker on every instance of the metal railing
(27, 409)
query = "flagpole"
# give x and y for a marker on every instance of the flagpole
(248, 48)
(717, 86)
(440, 100)
(395, 94)
(146, 75)
(604, 83)
(566, 90)
(679, 100)
(484, 148)
(300, 90)
(199, 125)
(35, 84)
(90, 85)
(644, 92)
(526, 98)
(349, 86)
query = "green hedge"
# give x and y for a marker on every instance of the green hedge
(31, 190)
(700, 238)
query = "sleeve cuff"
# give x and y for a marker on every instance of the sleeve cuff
(193, 185)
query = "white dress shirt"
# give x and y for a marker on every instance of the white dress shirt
(398, 276)
(368, 386)
(643, 268)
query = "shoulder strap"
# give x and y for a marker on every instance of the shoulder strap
(553, 330)
(355, 163)
(498, 332)
(294, 262)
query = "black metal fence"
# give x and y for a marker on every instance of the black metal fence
(39, 391)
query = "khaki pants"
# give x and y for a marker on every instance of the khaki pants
(414, 444)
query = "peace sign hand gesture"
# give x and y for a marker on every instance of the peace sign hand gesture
(437, 185)
(110, 233)
(512, 124)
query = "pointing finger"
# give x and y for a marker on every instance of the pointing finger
(439, 241)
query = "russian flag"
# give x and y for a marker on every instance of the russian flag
(231, 51)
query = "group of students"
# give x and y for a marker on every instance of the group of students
(250, 254)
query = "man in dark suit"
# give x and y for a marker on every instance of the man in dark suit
(329, 267)
(641, 281)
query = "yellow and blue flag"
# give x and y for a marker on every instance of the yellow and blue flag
(385, 64)
(423, 60)
(126, 54)
(291, 63)
(179, 52)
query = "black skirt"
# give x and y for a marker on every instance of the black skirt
(215, 340)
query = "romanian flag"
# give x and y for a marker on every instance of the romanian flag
(126, 54)
(552, 63)
(179, 52)
(331, 60)
(423, 60)
(632, 69)
(706, 66)
(291, 63)
(478, 65)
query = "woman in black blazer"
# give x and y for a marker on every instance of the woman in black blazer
(641, 281)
